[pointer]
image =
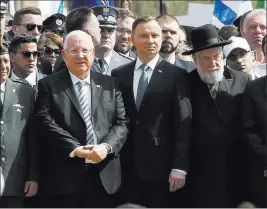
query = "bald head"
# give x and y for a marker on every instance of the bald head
(77, 36)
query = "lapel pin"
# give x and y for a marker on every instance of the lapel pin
(98, 86)
(14, 90)
(160, 71)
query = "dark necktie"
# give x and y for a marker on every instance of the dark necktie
(142, 85)
(103, 65)
(213, 90)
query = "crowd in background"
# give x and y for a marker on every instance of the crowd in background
(101, 108)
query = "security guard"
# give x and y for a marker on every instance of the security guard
(108, 59)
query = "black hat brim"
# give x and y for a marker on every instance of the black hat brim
(221, 43)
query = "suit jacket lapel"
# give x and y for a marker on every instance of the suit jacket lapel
(156, 76)
(68, 87)
(129, 79)
(9, 96)
(95, 91)
(113, 62)
(96, 67)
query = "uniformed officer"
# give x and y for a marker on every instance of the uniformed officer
(55, 23)
(18, 149)
(108, 58)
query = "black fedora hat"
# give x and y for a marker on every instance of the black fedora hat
(205, 37)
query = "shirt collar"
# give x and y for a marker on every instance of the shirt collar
(107, 58)
(75, 79)
(30, 78)
(152, 63)
(3, 87)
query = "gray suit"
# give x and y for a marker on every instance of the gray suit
(186, 65)
(18, 155)
(116, 61)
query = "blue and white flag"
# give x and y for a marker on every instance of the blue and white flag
(91, 3)
(60, 7)
(226, 12)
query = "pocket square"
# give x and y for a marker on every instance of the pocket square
(18, 105)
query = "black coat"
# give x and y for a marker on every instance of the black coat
(215, 155)
(254, 120)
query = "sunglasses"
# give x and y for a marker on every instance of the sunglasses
(31, 27)
(50, 51)
(28, 54)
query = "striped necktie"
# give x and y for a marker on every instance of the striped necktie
(142, 85)
(85, 105)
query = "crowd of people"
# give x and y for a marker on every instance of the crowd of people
(105, 109)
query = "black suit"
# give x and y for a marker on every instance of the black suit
(254, 118)
(215, 156)
(18, 145)
(59, 121)
(159, 132)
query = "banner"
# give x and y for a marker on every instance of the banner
(91, 3)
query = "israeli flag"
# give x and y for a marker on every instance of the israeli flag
(226, 12)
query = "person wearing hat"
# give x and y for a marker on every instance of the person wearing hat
(108, 59)
(3, 11)
(239, 56)
(55, 23)
(18, 159)
(214, 177)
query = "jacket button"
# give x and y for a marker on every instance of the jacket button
(3, 133)
(3, 146)
(137, 122)
(3, 159)
(2, 122)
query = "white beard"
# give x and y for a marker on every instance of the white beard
(210, 78)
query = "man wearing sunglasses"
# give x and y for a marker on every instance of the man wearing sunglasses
(23, 53)
(108, 58)
(239, 56)
(29, 21)
(18, 146)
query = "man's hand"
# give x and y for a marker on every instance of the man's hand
(176, 180)
(31, 188)
(82, 151)
(98, 153)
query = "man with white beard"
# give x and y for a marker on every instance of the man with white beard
(214, 175)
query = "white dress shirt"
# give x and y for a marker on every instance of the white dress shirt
(107, 59)
(2, 91)
(138, 72)
(30, 78)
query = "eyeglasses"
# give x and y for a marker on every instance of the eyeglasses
(50, 51)
(31, 27)
(240, 55)
(28, 54)
(75, 52)
(208, 59)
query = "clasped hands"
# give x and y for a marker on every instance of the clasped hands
(95, 153)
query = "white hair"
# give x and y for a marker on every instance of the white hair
(207, 77)
(75, 33)
(253, 13)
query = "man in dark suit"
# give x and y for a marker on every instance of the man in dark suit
(23, 54)
(254, 120)
(81, 121)
(214, 176)
(18, 156)
(155, 94)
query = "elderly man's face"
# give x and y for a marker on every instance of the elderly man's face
(241, 60)
(29, 25)
(255, 31)
(4, 67)
(123, 35)
(107, 38)
(79, 55)
(170, 36)
(210, 65)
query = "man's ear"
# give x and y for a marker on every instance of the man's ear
(15, 29)
(242, 32)
(12, 57)
(64, 54)
(132, 39)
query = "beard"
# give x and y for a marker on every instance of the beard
(120, 49)
(167, 47)
(209, 78)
